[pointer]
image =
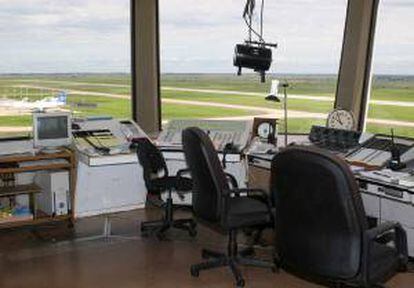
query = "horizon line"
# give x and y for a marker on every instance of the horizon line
(180, 73)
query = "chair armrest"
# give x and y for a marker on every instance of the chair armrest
(377, 231)
(232, 180)
(399, 239)
(181, 172)
(250, 191)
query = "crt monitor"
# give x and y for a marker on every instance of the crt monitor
(51, 129)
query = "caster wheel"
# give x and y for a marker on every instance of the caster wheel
(161, 236)
(194, 272)
(193, 225)
(144, 232)
(240, 283)
(192, 232)
(204, 255)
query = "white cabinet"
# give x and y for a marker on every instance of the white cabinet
(109, 188)
(371, 205)
(387, 209)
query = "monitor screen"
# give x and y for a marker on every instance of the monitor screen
(55, 127)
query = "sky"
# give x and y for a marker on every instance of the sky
(66, 36)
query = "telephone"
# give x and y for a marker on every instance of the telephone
(259, 147)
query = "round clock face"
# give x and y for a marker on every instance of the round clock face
(264, 130)
(341, 119)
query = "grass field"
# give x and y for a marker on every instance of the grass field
(34, 87)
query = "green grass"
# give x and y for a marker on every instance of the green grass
(17, 121)
(171, 111)
(398, 88)
(401, 94)
(117, 108)
(391, 113)
(401, 131)
(300, 125)
(322, 86)
(110, 78)
(254, 101)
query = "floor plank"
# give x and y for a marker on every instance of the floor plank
(29, 261)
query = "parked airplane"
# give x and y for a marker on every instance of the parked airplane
(40, 105)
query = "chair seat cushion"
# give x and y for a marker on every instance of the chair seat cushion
(181, 184)
(384, 263)
(246, 212)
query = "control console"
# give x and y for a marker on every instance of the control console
(334, 139)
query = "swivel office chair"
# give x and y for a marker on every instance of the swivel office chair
(321, 228)
(221, 208)
(154, 165)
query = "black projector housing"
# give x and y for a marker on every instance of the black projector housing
(253, 57)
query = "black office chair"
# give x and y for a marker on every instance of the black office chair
(321, 228)
(221, 208)
(157, 181)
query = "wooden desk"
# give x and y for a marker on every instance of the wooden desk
(31, 163)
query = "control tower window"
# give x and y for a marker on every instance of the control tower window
(197, 45)
(392, 89)
(70, 55)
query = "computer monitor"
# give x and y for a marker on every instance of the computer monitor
(51, 129)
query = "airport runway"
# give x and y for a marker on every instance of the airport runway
(268, 112)
(221, 92)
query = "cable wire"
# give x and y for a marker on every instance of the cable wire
(248, 18)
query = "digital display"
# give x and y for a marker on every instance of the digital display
(55, 127)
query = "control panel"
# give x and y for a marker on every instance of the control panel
(334, 139)
(100, 137)
(376, 151)
(222, 133)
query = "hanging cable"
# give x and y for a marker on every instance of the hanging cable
(261, 18)
(255, 53)
(248, 14)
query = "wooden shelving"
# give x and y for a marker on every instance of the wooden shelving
(15, 164)
(19, 190)
(35, 221)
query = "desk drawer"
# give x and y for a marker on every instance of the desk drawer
(397, 211)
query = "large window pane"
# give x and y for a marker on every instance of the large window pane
(392, 95)
(81, 48)
(197, 44)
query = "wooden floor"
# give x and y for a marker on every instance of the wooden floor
(47, 259)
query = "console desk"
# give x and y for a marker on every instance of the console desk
(383, 201)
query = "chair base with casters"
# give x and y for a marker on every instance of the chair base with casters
(159, 227)
(158, 180)
(233, 259)
(222, 206)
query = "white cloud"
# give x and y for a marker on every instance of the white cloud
(64, 35)
(196, 36)
(309, 33)
(308, 42)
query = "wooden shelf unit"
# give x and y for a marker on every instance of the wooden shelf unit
(19, 190)
(33, 163)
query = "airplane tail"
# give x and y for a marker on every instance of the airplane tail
(62, 97)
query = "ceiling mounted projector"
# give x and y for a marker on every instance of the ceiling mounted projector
(256, 55)
(258, 58)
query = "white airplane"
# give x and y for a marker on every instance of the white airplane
(39, 105)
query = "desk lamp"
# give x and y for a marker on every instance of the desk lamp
(273, 96)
